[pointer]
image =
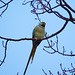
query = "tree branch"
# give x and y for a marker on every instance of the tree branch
(9, 39)
(5, 5)
(57, 49)
(4, 53)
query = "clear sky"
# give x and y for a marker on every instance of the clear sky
(19, 22)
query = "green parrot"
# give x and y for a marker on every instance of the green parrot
(38, 33)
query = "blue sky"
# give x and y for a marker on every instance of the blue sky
(19, 22)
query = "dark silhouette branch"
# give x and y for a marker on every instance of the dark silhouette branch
(57, 49)
(46, 8)
(64, 71)
(71, 71)
(58, 31)
(70, 15)
(9, 39)
(4, 53)
(69, 6)
(44, 72)
(4, 5)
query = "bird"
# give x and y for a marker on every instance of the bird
(38, 33)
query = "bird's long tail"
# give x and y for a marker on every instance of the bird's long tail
(33, 52)
(31, 55)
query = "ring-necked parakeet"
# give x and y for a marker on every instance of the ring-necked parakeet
(38, 32)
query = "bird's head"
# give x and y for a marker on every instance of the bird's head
(43, 24)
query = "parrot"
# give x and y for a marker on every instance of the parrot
(38, 33)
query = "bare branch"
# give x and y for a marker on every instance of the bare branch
(4, 5)
(50, 72)
(66, 10)
(45, 7)
(71, 71)
(69, 6)
(9, 39)
(44, 72)
(64, 71)
(57, 49)
(5, 53)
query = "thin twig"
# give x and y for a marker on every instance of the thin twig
(5, 5)
(4, 53)
(44, 72)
